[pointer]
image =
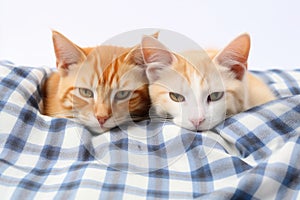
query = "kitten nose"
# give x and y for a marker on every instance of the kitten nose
(102, 119)
(196, 122)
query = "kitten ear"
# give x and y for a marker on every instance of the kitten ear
(136, 55)
(235, 55)
(156, 56)
(155, 35)
(154, 51)
(66, 52)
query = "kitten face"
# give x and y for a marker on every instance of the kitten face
(104, 97)
(102, 88)
(195, 100)
(192, 89)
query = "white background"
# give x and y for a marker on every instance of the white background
(274, 26)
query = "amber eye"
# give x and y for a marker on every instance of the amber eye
(123, 94)
(176, 97)
(87, 93)
(215, 96)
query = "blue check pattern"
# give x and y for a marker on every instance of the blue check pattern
(252, 155)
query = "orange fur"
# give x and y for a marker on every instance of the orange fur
(104, 71)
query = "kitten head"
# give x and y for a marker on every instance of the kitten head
(101, 87)
(192, 89)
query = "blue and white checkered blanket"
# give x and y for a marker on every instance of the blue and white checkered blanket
(252, 155)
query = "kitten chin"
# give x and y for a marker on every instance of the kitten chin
(97, 130)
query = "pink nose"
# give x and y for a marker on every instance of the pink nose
(196, 122)
(102, 119)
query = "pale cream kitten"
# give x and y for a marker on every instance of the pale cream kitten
(198, 92)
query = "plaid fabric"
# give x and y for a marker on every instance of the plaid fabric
(252, 155)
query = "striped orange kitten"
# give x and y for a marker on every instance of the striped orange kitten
(198, 92)
(101, 87)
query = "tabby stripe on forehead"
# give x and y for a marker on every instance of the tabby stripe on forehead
(115, 64)
(104, 76)
(117, 77)
(110, 74)
(185, 72)
(97, 68)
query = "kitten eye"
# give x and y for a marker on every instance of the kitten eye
(176, 97)
(215, 96)
(123, 94)
(87, 93)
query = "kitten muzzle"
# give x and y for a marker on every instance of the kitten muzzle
(197, 122)
(102, 120)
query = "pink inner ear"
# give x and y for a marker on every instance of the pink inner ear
(235, 55)
(66, 52)
(234, 62)
(239, 71)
